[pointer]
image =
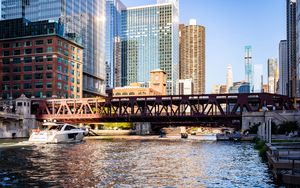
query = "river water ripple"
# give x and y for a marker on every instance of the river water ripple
(96, 163)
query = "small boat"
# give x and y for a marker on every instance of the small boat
(54, 132)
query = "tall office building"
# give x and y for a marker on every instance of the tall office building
(257, 78)
(291, 47)
(113, 43)
(272, 75)
(229, 77)
(298, 51)
(192, 55)
(283, 68)
(249, 66)
(86, 19)
(150, 41)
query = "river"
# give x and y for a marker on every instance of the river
(133, 163)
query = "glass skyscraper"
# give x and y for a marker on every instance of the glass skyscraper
(84, 18)
(150, 41)
(257, 78)
(283, 68)
(248, 66)
(113, 43)
(272, 75)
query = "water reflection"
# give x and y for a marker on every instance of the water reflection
(134, 164)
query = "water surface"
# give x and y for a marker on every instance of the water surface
(96, 163)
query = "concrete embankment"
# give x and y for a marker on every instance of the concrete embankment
(284, 161)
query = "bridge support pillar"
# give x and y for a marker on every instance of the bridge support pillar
(142, 128)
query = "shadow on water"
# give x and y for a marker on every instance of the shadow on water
(134, 164)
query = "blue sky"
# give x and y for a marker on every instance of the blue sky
(230, 25)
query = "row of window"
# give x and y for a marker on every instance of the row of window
(37, 76)
(38, 85)
(26, 43)
(37, 59)
(40, 94)
(6, 69)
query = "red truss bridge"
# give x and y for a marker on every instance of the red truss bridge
(224, 108)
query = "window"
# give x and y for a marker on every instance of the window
(73, 48)
(78, 81)
(66, 53)
(27, 59)
(28, 94)
(71, 95)
(17, 86)
(66, 78)
(59, 50)
(38, 76)
(48, 85)
(72, 88)
(49, 94)
(58, 85)
(17, 69)
(17, 77)
(59, 76)
(59, 59)
(72, 79)
(5, 45)
(6, 69)
(78, 66)
(27, 86)
(5, 61)
(28, 43)
(39, 67)
(66, 62)
(17, 44)
(38, 85)
(39, 50)
(5, 53)
(39, 59)
(49, 49)
(17, 52)
(5, 87)
(59, 43)
(28, 51)
(49, 41)
(16, 60)
(38, 94)
(49, 58)
(66, 87)
(39, 42)
(72, 64)
(72, 72)
(49, 67)
(27, 77)
(59, 68)
(48, 75)
(66, 45)
(27, 68)
(66, 70)
(5, 78)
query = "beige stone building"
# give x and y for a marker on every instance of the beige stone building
(157, 86)
(192, 55)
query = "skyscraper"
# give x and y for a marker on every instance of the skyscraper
(229, 77)
(192, 55)
(249, 66)
(272, 75)
(291, 47)
(257, 78)
(85, 19)
(298, 51)
(150, 41)
(283, 68)
(113, 43)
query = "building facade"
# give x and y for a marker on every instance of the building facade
(84, 18)
(248, 66)
(157, 86)
(192, 55)
(257, 78)
(297, 49)
(36, 60)
(291, 46)
(185, 87)
(283, 68)
(113, 43)
(240, 87)
(272, 75)
(229, 77)
(149, 37)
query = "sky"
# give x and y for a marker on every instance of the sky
(230, 26)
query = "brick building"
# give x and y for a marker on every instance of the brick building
(35, 59)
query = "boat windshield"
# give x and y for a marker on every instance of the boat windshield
(55, 127)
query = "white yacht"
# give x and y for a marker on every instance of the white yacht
(54, 132)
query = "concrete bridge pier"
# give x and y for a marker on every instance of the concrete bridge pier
(142, 128)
